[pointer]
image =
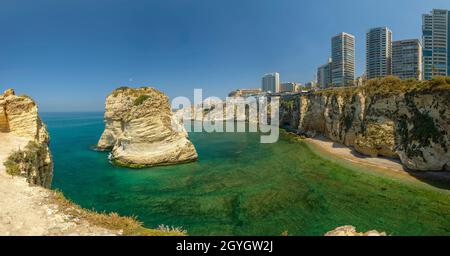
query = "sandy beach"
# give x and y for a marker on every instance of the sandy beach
(391, 167)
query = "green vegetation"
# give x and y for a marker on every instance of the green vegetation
(129, 226)
(424, 129)
(12, 163)
(392, 86)
(348, 121)
(139, 100)
(243, 187)
(290, 103)
(120, 89)
(345, 92)
(135, 92)
(22, 162)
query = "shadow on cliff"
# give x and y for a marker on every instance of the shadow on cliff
(436, 179)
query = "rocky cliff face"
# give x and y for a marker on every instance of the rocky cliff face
(139, 130)
(19, 119)
(388, 117)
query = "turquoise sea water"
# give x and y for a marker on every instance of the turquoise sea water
(241, 187)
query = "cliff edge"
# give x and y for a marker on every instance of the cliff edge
(409, 120)
(25, 160)
(22, 129)
(139, 130)
(27, 206)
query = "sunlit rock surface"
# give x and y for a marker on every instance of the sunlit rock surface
(141, 131)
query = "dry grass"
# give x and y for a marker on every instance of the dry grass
(127, 226)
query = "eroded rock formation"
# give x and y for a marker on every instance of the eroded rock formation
(351, 231)
(388, 117)
(140, 130)
(20, 122)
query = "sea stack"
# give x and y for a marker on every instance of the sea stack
(24, 140)
(141, 130)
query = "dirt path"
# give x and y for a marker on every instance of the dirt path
(25, 210)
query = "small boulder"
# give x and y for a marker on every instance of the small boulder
(351, 231)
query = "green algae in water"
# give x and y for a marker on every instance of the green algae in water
(242, 187)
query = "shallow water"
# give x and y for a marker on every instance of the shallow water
(241, 187)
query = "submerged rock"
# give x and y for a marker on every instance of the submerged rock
(20, 121)
(141, 130)
(351, 231)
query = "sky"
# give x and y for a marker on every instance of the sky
(69, 54)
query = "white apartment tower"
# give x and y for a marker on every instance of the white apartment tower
(378, 52)
(407, 59)
(324, 77)
(343, 56)
(271, 82)
(436, 43)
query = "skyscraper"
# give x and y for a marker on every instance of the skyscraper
(271, 82)
(407, 59)
(290, 87)
(378, 52)
(324, 75)
(343, 56)
(436, 43)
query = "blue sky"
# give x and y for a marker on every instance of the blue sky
(69, 54)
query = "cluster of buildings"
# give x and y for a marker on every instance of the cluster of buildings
(271, 83)
(406, 59)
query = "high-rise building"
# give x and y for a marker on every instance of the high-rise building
(271, 82)
(324, 77)
(290, 87)
(436, 43)
(343, 56)
(311, 85)
(378, 52)
(407, 59)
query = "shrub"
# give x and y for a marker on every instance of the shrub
(130, 226)
(122, 88)
(12, 164)
(22, 162)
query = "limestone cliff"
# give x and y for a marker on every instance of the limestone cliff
(20, 122)
(387, 117)
(140, 130)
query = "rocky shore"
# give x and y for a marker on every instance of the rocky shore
(27, 205)
(141, 131)
(387, 117)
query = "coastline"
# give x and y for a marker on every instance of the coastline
(388, 167)
(33, 210)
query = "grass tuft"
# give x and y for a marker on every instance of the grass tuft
(139, 100)
(127, 226)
